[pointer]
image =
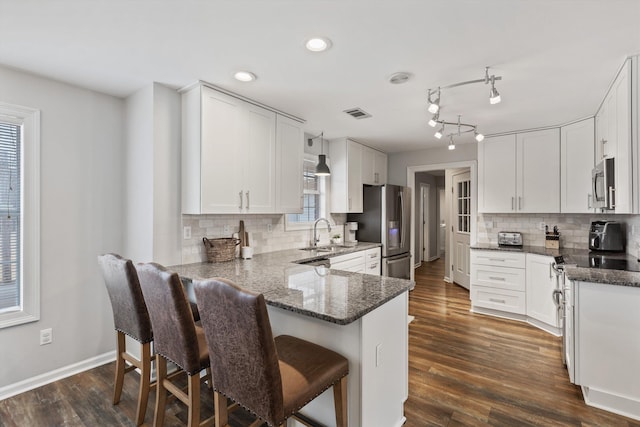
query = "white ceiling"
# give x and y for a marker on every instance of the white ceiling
(557, 57)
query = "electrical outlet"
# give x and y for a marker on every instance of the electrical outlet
(226, 229)
(541, 225)
(269, 227)
(46, 336)
(187, 232)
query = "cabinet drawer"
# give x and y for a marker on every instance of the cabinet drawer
(498, 258)
(499, 277)
(498, 299)
(373, 267)
(350, 262)
(348, 257)
(372, 255)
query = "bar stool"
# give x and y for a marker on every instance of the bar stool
(130, 317)
(271, 377)
(176, 338)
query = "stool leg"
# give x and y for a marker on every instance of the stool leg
(340, 402)
(120, 365)
(145, 382)
(220, 406)
(161, 391)
(194, 401)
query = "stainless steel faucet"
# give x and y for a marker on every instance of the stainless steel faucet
(315, 230)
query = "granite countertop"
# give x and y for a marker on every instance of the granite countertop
(335, 296)
(578, 274)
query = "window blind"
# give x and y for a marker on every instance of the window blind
(10, 217)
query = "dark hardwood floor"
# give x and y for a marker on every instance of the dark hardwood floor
(464, 370)
(467, 369)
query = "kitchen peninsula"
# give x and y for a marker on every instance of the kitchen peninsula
(361, 316)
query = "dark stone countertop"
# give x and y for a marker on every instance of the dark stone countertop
(578, 274)
(335, 296)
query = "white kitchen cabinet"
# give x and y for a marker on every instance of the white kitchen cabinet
(353, 262)
(576, 163)
(374, 166)
(372, 261)
(289, 164)
(229, 156)
(498, 281)
(540, 284)
(613, 130)
(346, 176)
(607, 346)
(520, 173)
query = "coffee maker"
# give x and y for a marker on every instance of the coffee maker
(350, 229)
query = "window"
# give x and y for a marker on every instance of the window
(19, 215)
(463, 194)
(314, 189)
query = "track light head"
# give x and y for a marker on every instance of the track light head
(479, 137)
(494, 95)
(452, 146)
(434, 106)
(439, 132)
(434, 120)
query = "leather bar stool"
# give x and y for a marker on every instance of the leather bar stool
(176, 338)
(271, 377)
(130, 317)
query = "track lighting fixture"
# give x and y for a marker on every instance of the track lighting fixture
(434, 106)
(494, 95)
(440, 132)
(461, 128)
(452, 146)
(434, 120)
(479, 137)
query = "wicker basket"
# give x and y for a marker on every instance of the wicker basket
(220, 250)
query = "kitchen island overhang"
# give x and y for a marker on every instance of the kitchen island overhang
(361, 316)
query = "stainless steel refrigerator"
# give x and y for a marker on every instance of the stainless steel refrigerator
(386, 219)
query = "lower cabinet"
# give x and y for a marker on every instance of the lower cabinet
(366, 262)
(515, 285)
(498, 281)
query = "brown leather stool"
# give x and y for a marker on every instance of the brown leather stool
(271, 377)
(176, 338)
(130, 317)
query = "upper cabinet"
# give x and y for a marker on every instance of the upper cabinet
(374, 166)
(352, 165)
(520, 173)
(576, 163)
(230, 153)
(613, 136)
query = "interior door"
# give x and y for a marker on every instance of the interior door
(461, 228)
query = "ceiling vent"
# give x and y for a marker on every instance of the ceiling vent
(357, 113)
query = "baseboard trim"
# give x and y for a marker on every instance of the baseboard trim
(55, 375)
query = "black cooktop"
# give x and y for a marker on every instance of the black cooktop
(607, 260)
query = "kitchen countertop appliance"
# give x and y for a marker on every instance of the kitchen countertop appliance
(606, 236)
(509, 238)
(603, 186)
(386, 219)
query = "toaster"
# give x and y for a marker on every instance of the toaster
(509, 238)
(606, 236)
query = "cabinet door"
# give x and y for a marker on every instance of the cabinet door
(601, 132)
(221, 150)
(380, 168)
(354, 181)
(577, 161)
(368, 165)
(540, 284)
(289, 164)
(538, 166)
(621, 127)
(497, 174)
(258, 159)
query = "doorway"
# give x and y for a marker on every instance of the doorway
(441, 233)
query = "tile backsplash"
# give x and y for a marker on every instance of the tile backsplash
(266, 233)
(574, 228)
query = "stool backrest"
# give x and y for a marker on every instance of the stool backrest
(130, 314)
(242, 351)
(173, 326)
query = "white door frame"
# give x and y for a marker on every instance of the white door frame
(411, 183)
(425, 253)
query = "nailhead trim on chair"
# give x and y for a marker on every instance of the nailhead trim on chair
(128, 334)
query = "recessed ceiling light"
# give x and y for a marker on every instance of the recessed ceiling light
(318, 44)
(244, 76)
(399, 78)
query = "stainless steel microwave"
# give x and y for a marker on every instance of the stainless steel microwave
(603, 185)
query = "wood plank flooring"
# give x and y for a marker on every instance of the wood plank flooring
(467, 369)
(464, 370)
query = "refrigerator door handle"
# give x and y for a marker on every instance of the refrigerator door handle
(401, 218)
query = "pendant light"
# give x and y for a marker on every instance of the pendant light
(322, 169)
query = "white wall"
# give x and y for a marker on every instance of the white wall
(81, 217)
